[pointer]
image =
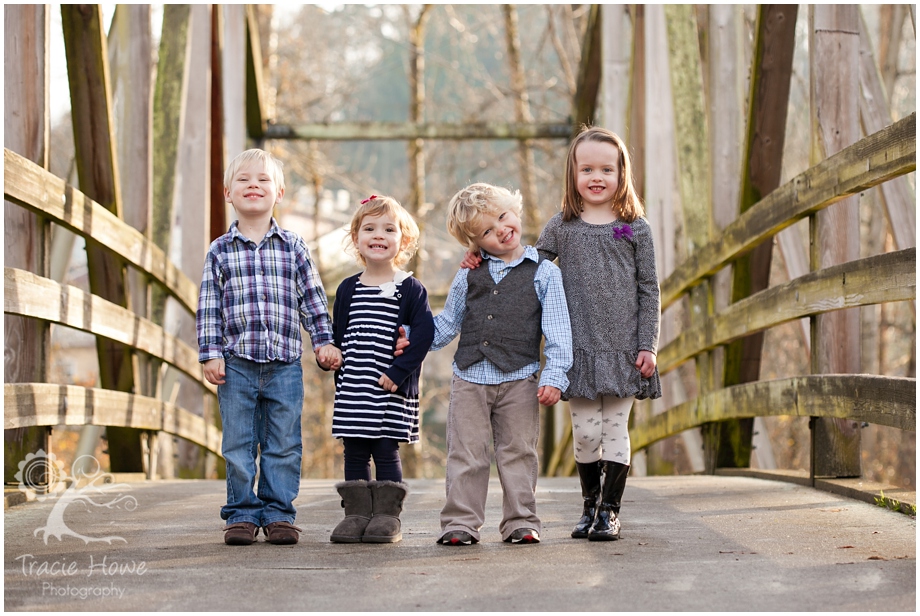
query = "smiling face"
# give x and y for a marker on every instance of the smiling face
(499, 234)
(252, 191)
(378, 239)
(597, 173)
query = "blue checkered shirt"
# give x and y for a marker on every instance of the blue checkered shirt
(254, 299)
(555, 323)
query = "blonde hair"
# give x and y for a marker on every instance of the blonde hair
(378, 206)
(271, 165)
(464, 213)
(626, 202)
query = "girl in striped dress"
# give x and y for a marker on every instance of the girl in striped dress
(376, 395)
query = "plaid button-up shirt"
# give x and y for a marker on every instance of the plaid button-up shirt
(253, 299)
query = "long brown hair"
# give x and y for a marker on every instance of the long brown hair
(626, 202)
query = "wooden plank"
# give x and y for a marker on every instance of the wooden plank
(26, 130)
(131, 58)
(616, 45)
(584, 108)
(45, 404)
(377, 131)
(522, 114)
(97, 169)
(692, 128)
(255, 107)
(835, 347)
(192, 186)
(888, 277)
(168, 114)
(761, 165)
(32, 296)
(37, 190)
(635, 115)
(692, 147)
(886, 401)
(889, 153)
(217, 206)
(899, 202)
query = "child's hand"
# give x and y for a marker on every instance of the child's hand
(548, 395)
(401, 342)
(214, 371)
(646, 363)
(386, 383)
(471, 260)
(329, 357)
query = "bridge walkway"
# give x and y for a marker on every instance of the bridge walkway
(690, 543)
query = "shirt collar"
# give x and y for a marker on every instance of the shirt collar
(529, 253)
(235, 232)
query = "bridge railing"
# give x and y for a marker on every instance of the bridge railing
(29, 295)
(891, 277)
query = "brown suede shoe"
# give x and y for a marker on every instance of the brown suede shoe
(282, 533)
(240, 533)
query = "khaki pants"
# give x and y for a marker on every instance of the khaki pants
(508, 416)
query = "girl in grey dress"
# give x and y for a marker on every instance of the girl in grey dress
(607, 257)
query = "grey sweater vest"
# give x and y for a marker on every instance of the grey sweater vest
(503, 321)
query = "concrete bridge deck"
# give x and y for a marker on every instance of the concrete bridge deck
(697, 543)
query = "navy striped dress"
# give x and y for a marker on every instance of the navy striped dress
(362, 407)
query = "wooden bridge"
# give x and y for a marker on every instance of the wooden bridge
(134, 282)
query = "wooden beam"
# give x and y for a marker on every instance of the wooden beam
(889, 153)
(97, 168)
(32, 296)
(762, 156)
(26, 130)
(377, 131)
(584, 110)
(168, 122)
(43, 193)
(45, 404)
(635, 114)
(256, 122)
(899, 202)
(217, 214)
(889, 277)
(833, 53)
(885, 401)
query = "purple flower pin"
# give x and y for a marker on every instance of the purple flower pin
(622, 233)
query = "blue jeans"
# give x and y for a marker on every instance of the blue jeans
(260, 407)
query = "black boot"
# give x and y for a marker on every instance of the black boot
(590, 475)
(607, 527)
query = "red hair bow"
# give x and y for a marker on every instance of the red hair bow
(371, 198)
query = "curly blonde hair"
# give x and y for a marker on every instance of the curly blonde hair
(378, 206)
(464, 213)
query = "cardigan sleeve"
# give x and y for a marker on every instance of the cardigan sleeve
(421, 324)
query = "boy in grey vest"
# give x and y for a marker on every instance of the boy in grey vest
(501, 312)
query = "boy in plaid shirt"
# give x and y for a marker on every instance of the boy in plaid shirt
(258, 287)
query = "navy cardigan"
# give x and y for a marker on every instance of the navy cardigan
(413, 311)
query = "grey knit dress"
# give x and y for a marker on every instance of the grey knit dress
(611, 286)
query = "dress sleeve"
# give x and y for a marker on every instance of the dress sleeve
(648, 292)
(548, 244)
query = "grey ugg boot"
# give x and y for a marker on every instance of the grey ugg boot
(385, 526)
(358, 504)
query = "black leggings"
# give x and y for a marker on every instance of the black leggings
(358, 452)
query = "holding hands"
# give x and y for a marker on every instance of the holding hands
(329, 357)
